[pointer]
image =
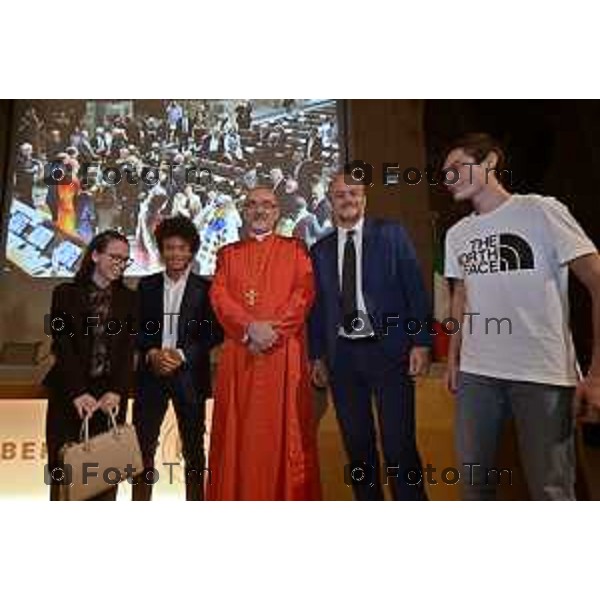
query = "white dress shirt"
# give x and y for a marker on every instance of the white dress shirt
(172, 297)
(367, 329)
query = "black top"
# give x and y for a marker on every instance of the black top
(77, 341)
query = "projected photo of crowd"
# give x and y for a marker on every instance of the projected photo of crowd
(85, 166)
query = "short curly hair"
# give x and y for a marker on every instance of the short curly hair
(178, 226)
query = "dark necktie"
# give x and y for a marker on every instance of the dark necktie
(349, 282)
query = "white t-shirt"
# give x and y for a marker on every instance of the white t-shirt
(514, 263)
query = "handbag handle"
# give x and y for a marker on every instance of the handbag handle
(84, 432)
(112, 415)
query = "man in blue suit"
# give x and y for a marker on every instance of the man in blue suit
(369, 337)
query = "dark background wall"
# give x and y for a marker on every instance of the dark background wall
(392, 131)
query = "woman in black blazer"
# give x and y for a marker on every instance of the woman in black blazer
(93, 358)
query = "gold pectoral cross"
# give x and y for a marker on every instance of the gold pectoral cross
(251, 296)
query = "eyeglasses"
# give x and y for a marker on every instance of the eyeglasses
(124, 261)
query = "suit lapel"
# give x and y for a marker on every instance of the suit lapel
(185, 311)
(158, 302)
(160, 295)
(81, 312)
(332, 265)
(368, 260)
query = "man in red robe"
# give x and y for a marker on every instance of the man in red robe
(263, 440)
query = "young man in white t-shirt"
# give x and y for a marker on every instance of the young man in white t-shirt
(508, 264)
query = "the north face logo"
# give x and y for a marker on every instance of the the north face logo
(515, 253)
(496, 253)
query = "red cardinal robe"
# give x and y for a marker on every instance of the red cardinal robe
(263, 438)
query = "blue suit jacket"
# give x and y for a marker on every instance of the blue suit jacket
(392, 288)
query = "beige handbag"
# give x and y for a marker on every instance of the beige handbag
(95, 464)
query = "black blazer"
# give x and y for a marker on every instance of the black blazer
(198, 329)
(71, 345)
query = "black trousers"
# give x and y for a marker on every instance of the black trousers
(63, 426)
(362, 371)
(149, 409)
